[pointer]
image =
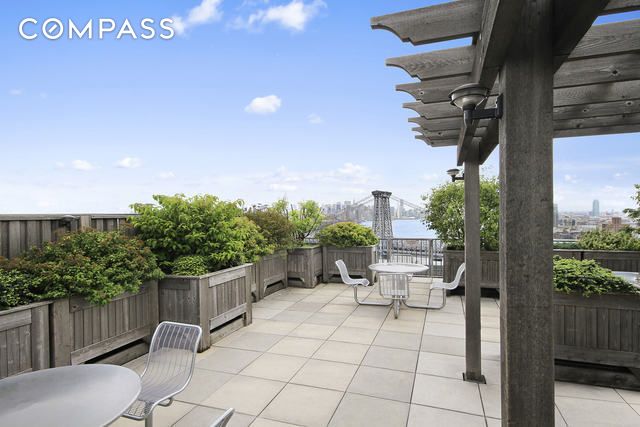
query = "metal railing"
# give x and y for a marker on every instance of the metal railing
(416, 251)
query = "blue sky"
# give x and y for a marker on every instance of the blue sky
(95, 125)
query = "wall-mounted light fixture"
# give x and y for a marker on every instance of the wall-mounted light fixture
(470, 95)
(453, 173)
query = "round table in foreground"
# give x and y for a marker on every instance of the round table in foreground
(398, 267)
(82, 395)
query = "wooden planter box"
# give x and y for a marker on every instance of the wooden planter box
(305, 266)
(271, 274)
(615, 260)
(357, 260)
(599, 330)
(81, 331)
(210, 301)
(24, 339)
(490, 267)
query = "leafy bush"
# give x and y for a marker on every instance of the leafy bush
(201, 225)
(566, 245)
(347, 234)
(96, 265)
(444, 213)
(587, 277)
(15, 289)
(634, 214)
(609, 241)
(190, 265)
(275, 226)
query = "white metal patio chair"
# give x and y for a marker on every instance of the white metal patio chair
(445, 287)
(396, 287)
(354, 283)
(223, 419)
(170, 364)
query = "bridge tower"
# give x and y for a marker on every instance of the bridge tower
(382, 214)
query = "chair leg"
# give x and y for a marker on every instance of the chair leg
(355, 297)
(396, 308)
(428, 304)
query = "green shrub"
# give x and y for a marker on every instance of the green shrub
(632, 213)
(587, 277)
(275, 226)
(347, 234)
(96, 265)
(566, 245)
(610, 241)
(15, 289)
(190, 265)
(201, 225)
(444, 213)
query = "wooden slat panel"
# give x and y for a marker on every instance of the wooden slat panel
(614, 330)
(4, 355)
(440, 22)
(601, 69)
(607, 39)
(631, 106)
(441, 63)
(597, 122)
(618, 6)
(610, 130)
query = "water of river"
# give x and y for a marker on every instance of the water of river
(408, 228)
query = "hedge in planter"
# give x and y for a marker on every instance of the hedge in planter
(351, 242)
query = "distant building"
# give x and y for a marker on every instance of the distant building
(595, 210)
(556, 215)
(615, 225)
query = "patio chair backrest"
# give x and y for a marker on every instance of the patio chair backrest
(456, 280)
(224, 419)
(344, 273)
(393, 285)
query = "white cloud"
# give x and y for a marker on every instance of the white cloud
(571, 179)
(60, 165)
(167, 175)
(283, 187)
(315, 119)
(82, 165)
(15, 92)
(264, 105)
(432, 177)
(129, 163)
(293, 16)
(206, 12)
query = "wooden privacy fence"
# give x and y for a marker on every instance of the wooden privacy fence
(357, 259)
(21, 232)
(271, 274)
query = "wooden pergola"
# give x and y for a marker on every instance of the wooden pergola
(559, 76)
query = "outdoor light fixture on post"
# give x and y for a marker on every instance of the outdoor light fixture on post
(453, 173)
(468, 96)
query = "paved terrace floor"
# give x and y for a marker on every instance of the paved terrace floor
(313, 357)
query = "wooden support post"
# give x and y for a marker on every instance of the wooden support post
(526, 221)
(61, 336)
(473, 267)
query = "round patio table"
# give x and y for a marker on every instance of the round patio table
(398, 267)
(82, 395)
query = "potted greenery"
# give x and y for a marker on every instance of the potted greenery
(597, 322)
(207, 247)
(271, 269)
(353, 243)
(100, 289)
(444, 213)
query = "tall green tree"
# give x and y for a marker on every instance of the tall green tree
(632, 213)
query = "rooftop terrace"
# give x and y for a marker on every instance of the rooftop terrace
(312, 357)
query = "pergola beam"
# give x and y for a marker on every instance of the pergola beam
(618, 6)
(437, 23)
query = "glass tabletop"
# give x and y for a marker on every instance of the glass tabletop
(398, 267)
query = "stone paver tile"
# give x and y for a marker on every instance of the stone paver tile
(292, 316)
(246, 394)
(331, 319)
(250, 341)
(307, 406)
(310, 330)
(445, 345)
(559, 420)
(406, 314)
(163, 416)
(273, 327)
(273, 304)
(491, 400)
(420, 416)
(325, 374)
(202, 385)
(447, 393)
(582, 391)
(382, 383)
(307, 306)
(491, 371)
(265, 313)
(490, 350)
(444, 330)
(337, 351)
(355, 335)
(296, 346)
(365, 411)
(443, 317)
(636, 408)
(379, 312)
(492, 422)
(263, 422)
(363, 322)
(225, 359)
(397, 340)
(630, 396)
(318, 298)
(201, 416)
(292, 297)
(276, 367)
(490, 334)
(400, 325)
(454, 305)
(391, 358)
(582, 412)
(336, 309)
(344, 300)
(439, 364)
(490, 322)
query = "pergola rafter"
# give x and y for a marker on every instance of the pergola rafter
(559, 76)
